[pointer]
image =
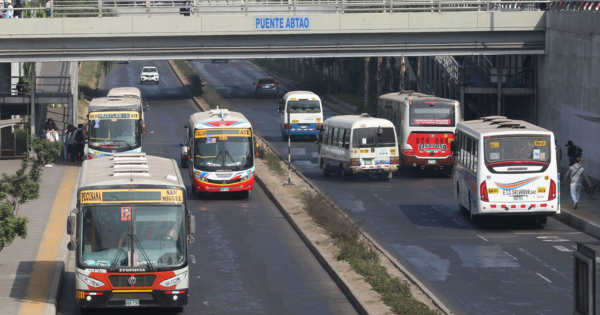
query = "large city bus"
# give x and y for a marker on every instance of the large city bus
(115, 125)
(305, 112)
(505, 167)
(219, 152)
(127, 92)
(355, 144)
(425, 126)
(130, 232)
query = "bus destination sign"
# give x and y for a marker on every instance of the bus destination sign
(131, 196)
(114, 115)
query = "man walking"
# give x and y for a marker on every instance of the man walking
(79, 141)
(573, 152)
(576, 175)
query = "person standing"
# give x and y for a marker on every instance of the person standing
(9, 12)
(576, 175)
(71, 143)
(79, 143)
(573, 152)
(17, 13)
(50, 134)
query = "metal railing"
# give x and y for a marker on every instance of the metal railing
(111, 8)
(47, 85)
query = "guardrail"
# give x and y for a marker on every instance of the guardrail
(110, 8)
(12, 86)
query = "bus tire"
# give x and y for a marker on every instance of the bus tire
(542, 219)
(384, 176)
(87, 310)
(325, 169)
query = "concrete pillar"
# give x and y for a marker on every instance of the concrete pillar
(33, 117)
(74, 110)
(499, 85)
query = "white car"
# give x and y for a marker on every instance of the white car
(149, 74)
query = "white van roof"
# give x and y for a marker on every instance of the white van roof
(300, 94)
(357, 121)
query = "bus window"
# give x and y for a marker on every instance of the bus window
(475, 146)
(432, 116)
(343, 138)
(525, 148)
(325, 135)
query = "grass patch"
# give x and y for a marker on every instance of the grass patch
(363, 258)
(213, 97)
(82, 111)
(272, 161)
(195, 83)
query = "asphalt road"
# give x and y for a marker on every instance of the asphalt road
(246, 258)
(503, 266)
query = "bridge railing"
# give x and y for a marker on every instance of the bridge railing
(108, 8)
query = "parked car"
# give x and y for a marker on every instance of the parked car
(149, 74)
(266, 87)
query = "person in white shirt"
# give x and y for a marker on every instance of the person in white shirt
(49, 135)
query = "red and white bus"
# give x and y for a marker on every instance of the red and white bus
(219, 151)
(425, 124)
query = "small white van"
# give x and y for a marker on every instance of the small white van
(305, 111)
(354, 144)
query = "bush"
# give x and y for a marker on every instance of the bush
(46, 151)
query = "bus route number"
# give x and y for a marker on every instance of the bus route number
(494, 145)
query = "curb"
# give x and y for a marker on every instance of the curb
(578, 222)
(340, 281)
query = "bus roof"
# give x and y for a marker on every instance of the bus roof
(103, 103)
(357, 121)
(127, 169)
(417, 98)
(300, 94)
(121, 91)
(218, 118)
(499, 125)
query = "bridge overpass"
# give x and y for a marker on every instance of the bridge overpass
(295, 28)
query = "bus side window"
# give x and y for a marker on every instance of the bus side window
(343, 138)
(336, 137)
(469, 149)
(462, 149)
(475, 145)
(332, 136)
(325, 135)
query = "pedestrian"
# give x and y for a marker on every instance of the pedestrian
(65, 140)
(1, 9)
(21, 87)
(50, 124)
(9, 11)
(49, 8)
(49, 134)
(55, 135)
(576, 175)
(573, 151)
(71, 143)
(79, 143)
(17, 13)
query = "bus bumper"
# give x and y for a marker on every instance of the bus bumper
(519, 208)
(110, 299)
(201, 186)
(411, 160)
(374, 169)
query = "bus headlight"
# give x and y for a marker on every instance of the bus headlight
(199, 177)
(90, 281)
(173, 281)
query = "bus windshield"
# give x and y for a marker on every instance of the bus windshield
(115, 134)
(159, 235)
(509, 149)
(304, 107)
(223, 150)
(441, 116)
(368, 137)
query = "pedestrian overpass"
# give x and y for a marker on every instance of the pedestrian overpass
(126, 30)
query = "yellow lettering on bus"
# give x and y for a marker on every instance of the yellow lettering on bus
(494, 145)
(200, 134)
(244, 132)
(540, 143)
(493, 190)
(91, 196)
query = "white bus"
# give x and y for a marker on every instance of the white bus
(306, 113)
(505, 167)
(115, 125)
(125, 92)
(218, 150)
(352, 144)
(425, 125)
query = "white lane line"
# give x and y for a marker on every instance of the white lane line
(563, 249)
(193, 259)
(434, 208)
(542, 233)
(483, 238)
(511, 256)
(544, 278)
(456, 222)
(558, 240)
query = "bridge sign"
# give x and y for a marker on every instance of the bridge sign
(281, 23)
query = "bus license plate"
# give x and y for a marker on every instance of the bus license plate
(368, 162)
(224, 188)
(303, 126)
(132, 302)
(430, 161)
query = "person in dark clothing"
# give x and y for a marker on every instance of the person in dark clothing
(21, 87)
(573, 152)
(18, 13)
(79, 143)
(50, 124)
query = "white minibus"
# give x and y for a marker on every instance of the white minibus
(352, 144)
(305, 111)
(505, 167)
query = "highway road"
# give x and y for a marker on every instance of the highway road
(503, 266)
(246, 258)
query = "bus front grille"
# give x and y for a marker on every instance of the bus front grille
(141, 281)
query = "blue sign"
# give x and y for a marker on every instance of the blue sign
(280, 23)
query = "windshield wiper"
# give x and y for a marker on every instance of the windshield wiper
(137, 242)
(216, 157)
(237, 167)
(127, 143)
(118, 254)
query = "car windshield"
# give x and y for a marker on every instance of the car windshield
(223, 150)
(149, 70)
(441, 115)
(304, 107)
(116, 134)
(105, 232)
(368, 137)
(266, 81)
(518, 148)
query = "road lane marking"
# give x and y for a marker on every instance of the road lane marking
(563, 249)
(511, 256)
(544, 233)
(456, 222)
(544, 278)
(193, 259)
(483, 238)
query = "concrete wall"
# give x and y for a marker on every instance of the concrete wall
(569, 84)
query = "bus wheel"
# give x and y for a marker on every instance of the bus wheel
(87, 310)
(384, 176)
(542, 219)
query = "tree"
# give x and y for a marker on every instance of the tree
(11, 225)
(367, 60)
(45, 150)
(379, 76)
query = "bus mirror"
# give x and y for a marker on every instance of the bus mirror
(70, 225)
(279, 109)
(181, 144)
(192, 224)
(71, 246)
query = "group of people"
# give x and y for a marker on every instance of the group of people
(73, 138)
(7, 9)
(576, 174)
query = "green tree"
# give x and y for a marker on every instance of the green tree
(11, 225)
(45, 150)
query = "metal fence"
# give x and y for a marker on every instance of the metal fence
(13, 86)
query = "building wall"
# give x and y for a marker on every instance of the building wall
(569, 84)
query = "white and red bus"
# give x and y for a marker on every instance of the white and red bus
(219, 151)
(425, 126)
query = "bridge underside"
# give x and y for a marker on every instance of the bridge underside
(272, 46)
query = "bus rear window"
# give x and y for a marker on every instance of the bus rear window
(442, 116)
(304, 107)
(517, 148)
(368, 137)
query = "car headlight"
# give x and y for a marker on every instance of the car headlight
(173, 281)
(90, 281)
